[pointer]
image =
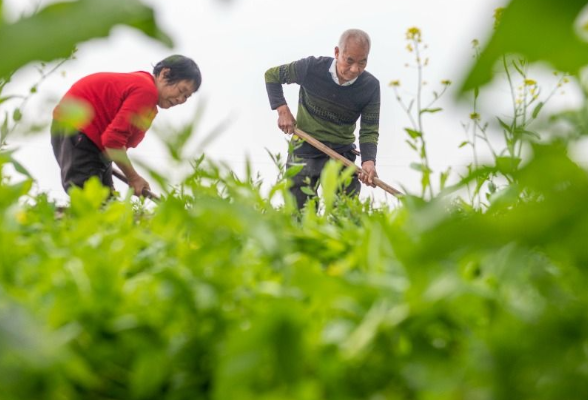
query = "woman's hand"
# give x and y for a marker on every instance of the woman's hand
(139, 185)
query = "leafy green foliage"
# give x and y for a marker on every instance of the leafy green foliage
(54, 31)
(538, 30)
(215, 293)
(416, 109)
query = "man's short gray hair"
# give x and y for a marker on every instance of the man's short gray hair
(356, 34)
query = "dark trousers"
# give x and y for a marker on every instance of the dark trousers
(79, 159)
(310, 174)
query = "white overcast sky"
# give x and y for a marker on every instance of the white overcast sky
(234, 42)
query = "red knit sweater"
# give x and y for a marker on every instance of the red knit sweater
(119, 107)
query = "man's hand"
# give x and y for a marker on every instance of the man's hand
(286, 121)
(138, 184)
(368, 174)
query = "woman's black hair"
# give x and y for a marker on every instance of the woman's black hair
(180, 68)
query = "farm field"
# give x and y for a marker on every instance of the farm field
(224, 290)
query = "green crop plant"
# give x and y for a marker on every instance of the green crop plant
(417, 108)
(527, 102)
(214, 293)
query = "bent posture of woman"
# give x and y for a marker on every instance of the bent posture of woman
(104, 114)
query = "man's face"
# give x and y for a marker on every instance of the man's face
(351, 60)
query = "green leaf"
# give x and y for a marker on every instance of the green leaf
(293, 170)
(345, 176)
(328, 180)
(539, 30)
(6, 155)
(491, 187)
(443, 178)
(464, 143)
(16, 115)
(423, 152)
(308, 191)
(430, 110)
(54, 31)
(148, 374)
(6, 98)
(90, 198)
(537, 109)
(507, 165)
(411, 145)
(504, 125)
(412, 133)
(176, 142)
(426, 180)
(20, 168)
(534, 135)
(518, 68)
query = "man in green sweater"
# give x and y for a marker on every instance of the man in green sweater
(334, 94)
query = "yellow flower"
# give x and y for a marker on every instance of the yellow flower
(409, 48)
(21, 217)
(413, 33)
(530, 82)
(475, 116)
(498, 16)
(394, 83)
(446, 82)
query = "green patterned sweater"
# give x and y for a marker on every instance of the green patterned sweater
(326, 110)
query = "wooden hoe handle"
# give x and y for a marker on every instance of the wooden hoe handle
(333, 154)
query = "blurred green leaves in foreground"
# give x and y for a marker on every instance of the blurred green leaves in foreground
(217, 293)
(54, 31)
(538, 30)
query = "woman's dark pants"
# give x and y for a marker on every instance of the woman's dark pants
(79, 159)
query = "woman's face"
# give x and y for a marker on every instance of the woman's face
(172, 94)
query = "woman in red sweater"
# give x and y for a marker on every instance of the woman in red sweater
(104, 114)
